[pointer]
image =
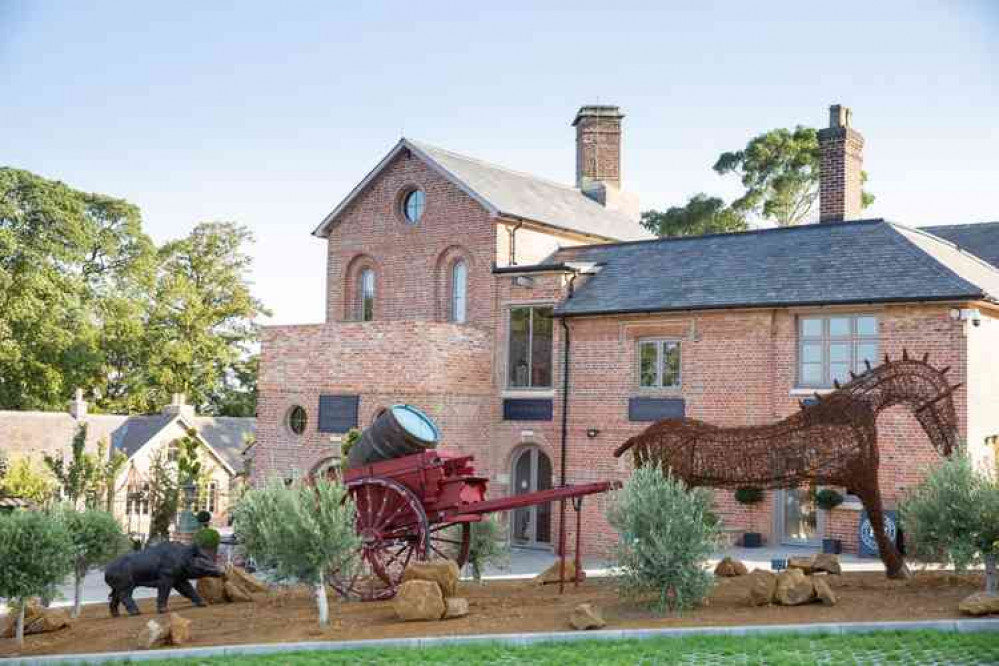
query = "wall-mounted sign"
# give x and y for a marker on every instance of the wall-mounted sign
(868, 544)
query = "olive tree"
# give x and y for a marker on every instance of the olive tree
(302, 532)
(667, 532)
(97, 539)
(952, 517)
(36, 553)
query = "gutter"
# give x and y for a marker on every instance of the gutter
(533, 268)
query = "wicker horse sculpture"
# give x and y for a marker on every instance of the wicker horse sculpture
(833, 441)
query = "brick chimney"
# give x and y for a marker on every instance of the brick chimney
(78, 406)
(178, 405)
(840, 163)
(598, 158)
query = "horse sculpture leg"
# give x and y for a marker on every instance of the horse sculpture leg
(895, 566)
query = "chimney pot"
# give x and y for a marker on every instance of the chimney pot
(839, 115)
(78, 405)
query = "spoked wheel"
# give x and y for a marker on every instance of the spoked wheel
(450, 541)
(393, 530)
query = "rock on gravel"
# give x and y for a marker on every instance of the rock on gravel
(794, 588)
(235, 593)
(729, 568)
(180, 630)
(551, 574)
(456, 607)
(826, 562)
(443, 572)
(151, 635)
(212, 590)
(980, 603)
(823, 591)
(761, 586)
(38, 620)
(419, 600)
(586, 616)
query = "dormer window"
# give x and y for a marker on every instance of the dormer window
(413, 205)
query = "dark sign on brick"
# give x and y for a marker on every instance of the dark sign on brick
(655, 409)
(527, 409)
(337, 413)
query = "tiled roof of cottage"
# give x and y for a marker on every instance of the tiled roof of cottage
(981, 240)
(513, 194)
(864, 261)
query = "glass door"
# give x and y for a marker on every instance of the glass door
(798, 517)
(531, 525)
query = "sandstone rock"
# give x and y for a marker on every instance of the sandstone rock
(180, 630)
(37, 620)
(456, 607)
(212, 590)
(152, 634)
(980, 603)
(586, 616)
(419, 600)
(804, 564)
(826, 562)
(550, 575)
(443, 572)
(247, 581)
(823, 591)
(729, 568)
(794, 588)
(235, 593)
(762, 585)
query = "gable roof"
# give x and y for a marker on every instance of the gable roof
(981, 240)
(864, 261)
(507, 193)
(225, 436)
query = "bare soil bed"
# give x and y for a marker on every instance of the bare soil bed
(503, 607)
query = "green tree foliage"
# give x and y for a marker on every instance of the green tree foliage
(37, 554)
(488, 546)
(66, 257)
(97, 539)
(80, 476)
(302, 532)
(700, 215)
(4, 465)
(953, 517)
(780, 171)
(110, 466)
(164, 497)
(667, 534)
(26, 480)
(237, 393)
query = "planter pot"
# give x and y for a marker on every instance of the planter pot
(752, 540)
(832, 546)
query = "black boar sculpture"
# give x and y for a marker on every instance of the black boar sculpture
(167, 566)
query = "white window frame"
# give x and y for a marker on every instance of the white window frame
(459, 297)
(854, 339)
(530, 346)
(659, 342)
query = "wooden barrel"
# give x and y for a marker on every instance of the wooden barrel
(400, 430)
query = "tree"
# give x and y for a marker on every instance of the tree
(780, 170)
(79, 477)
(201, 325)
(97, 539)
(64, 254)
(237, 393)
(488, 546)
(164, 497)
(700, 215)
(667, 533)
(109, 467)
(953, 517)
(302, 531)
(36, 551)
(25, 480)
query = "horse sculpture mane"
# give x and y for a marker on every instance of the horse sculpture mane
(832, 441)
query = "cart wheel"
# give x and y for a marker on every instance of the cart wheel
(450, 541)
(393, 530)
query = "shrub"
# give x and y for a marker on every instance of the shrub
(204, 517)
(953, 517)
(301, 531)
(97, 539)
(349, 440)
(207, 539)
(488, 546)
(749, 495)
(828, 499)
(28, 481)
(36, 553)
(666, 537)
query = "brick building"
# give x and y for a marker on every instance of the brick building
(462, 287)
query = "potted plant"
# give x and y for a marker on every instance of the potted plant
(828, 499)
(208, 540)
(750, 496)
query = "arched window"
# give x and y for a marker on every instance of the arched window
(366, 295)
(459, 291)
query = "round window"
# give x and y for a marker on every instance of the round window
(297, 419)
(413, 205)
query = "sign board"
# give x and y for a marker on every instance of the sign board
(868, 545)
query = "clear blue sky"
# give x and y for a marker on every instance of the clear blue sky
(268, 113)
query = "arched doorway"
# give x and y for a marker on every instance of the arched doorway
(532, 471)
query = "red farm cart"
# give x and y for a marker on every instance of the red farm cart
(420, 505)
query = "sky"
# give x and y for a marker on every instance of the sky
(268, 113)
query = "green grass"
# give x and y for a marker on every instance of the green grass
(922, 647)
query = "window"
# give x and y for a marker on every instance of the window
(659, 364)
(173, 451)
(413, 205)
(208, 497)
(297, 419)
(459, 290)
(530, 347)
(830, 347)
(366, 295)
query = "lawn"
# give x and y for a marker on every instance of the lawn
(923, 647)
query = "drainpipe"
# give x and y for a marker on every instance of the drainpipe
(565, 382)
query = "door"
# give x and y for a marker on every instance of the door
(532, 525)
(798, 517)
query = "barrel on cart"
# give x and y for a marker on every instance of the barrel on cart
(415, 502)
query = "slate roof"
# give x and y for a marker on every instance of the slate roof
(864, 261)
(226, 435)
(509, 193)
(135, 431)
(981, 240)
